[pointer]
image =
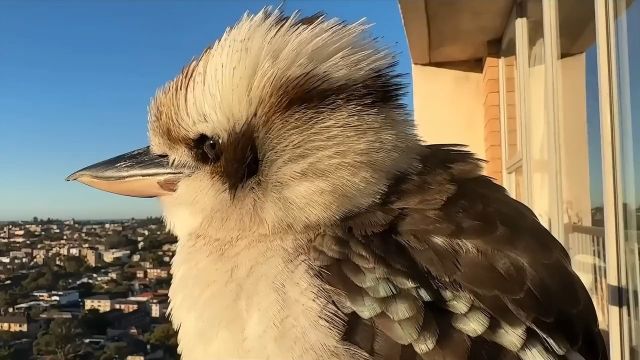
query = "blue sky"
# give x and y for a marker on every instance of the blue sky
(77, 77)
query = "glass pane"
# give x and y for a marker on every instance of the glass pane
(519, 183)
(628, 111)
(537, 124)
(509, 97)
(580, 149)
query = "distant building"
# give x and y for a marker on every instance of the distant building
(125, 305)
(92, 256)
(30, 305)
(134, 322)
(61, 297)
(141, 273)
(65, 297)
(16, 254)
(142, 297)
(14, 322)
(115, 255)
(57, 314)
(159, 307)
(156, 355)
(157, 273)
(39, 252)
(102, 303)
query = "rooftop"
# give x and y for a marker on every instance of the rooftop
(14, 318)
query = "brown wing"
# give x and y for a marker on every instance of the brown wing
(448, 266)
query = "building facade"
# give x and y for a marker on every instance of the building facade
(125, 305)
(159, 307)
(158, 273)
(14, 322)
(102, 303)
(544, 91)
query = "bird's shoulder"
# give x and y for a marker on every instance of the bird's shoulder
(448, 264)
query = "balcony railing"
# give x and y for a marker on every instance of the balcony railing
(586, 247)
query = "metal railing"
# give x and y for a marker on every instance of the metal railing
(586, 248)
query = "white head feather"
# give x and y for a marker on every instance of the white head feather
(314, 95)
(321, 103)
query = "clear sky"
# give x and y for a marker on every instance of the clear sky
(76, 78)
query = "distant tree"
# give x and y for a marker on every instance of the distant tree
(6, 353)
(118, 241)
(35, 312)
(28, 234)
(55, 236)
(116, 350)
(8, 336)
(45, 344)
(128, 276)
(8, 299)
(74, 264)
(42, 279)
(156, 259)
(131, 265)
(94, 322)
(84, 289)
(161, 283)
(62, 340)
(163, 335)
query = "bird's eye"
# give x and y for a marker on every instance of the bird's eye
(209, 148)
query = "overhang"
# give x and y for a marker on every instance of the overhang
(443, 32)
(452, 31)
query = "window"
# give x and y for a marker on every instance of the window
(577, 130)
(510, 114)
(627, 113)
(539, 166)
(550, 128)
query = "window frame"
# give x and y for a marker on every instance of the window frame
(510, 164)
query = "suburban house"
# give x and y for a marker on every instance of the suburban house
(158, 273)
(102, 303)
(544, 91)
(14, 322)
(159, 306)
(125, 305)
(60, 297)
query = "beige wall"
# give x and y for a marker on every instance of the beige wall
(100, 305)
(574, 140)
(448, 106)
(574, 160)
(538, 146)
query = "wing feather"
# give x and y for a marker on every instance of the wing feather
(448, 266)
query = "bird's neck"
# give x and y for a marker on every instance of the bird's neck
(242, 300)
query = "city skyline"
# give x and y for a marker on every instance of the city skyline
(78, 76)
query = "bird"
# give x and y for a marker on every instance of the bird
(314, 223)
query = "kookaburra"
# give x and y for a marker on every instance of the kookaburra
(314, 224)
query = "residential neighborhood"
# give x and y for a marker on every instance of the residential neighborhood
(85, 289)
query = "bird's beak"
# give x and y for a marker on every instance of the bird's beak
(138, 173)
